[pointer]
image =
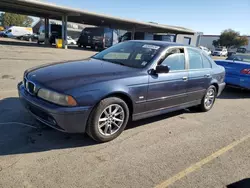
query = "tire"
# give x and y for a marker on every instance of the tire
(109, 131)
(205, 106)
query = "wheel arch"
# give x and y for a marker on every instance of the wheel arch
(125, 97)
(216, 85)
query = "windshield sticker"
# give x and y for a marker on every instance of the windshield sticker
(153, 47)
(144, 63)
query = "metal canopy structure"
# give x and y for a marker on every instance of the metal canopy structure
(52, 11)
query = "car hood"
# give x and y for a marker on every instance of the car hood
(217, 51)
(69, 75)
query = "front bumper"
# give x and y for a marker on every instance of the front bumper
(221, 88)
(65, 119)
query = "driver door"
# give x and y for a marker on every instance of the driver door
(168, 90)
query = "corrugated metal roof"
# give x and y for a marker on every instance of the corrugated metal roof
(53, 11)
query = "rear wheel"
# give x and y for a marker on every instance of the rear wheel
(108, 119)
(208, 99)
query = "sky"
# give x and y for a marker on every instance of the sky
(207, 16)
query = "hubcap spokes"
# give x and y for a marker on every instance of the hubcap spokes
(209, 99)
(111, 119)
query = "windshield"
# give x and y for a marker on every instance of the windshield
(244, 58)
(133, 54)
(218, 49)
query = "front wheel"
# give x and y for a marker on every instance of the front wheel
(208, 99)
(108, 119)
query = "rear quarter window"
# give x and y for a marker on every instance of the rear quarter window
(206, 62)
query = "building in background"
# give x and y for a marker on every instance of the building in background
(74, 29)
(207, 41)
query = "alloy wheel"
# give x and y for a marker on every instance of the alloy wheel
(111, 120)
(209, 98)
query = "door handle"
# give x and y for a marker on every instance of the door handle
(207, 75)
(185, 78)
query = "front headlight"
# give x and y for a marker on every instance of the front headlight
(57, 98)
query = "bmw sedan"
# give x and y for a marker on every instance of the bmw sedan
(129, 81)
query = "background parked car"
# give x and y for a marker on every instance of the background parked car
(220, 52)
(241, 50)
(206, 50)
(29, 37)
(71, 41)
(237, 68)
(98, 37)
(16, 31)
(231, 53)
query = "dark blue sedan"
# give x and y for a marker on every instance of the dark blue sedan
(131, 80)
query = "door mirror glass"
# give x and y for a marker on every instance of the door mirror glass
(162, 69)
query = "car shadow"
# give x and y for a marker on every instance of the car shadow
(234, 93)
(32, 136)
(245, 183)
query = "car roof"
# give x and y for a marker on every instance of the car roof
(162, 43)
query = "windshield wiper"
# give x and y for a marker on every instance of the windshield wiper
(117, 62)
(110, 61)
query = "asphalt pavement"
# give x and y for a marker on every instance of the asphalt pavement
(182, 149)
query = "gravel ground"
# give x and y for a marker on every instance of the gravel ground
(148, 153)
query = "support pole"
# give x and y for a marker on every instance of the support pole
(63, 23)
(46, 28)
(64, 31)
(133, 34)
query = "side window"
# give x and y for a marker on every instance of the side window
(175, 59)
(195, 59)
(206, 62)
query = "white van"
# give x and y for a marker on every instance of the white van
(16, 31)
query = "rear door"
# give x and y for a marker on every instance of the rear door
(199, 74)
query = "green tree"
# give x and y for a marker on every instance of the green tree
(231, 39)
(10, 19)
(216, 43)
(28, 22)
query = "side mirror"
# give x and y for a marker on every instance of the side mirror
(162, 69)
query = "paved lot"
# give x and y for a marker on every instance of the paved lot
(181, 149)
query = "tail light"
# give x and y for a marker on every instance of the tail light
(245, 71)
